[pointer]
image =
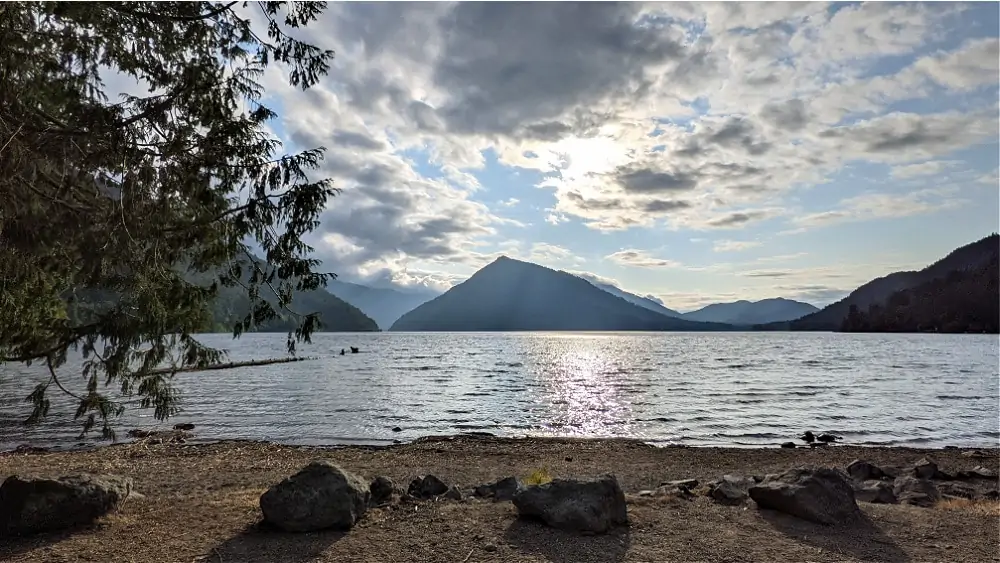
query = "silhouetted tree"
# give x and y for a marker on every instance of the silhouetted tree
(120, 197)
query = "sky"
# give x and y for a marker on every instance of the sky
(693, 152)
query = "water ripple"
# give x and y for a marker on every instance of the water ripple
(695, 389)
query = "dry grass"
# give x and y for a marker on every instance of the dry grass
(974, 506)
(200, 503)
(538, 477)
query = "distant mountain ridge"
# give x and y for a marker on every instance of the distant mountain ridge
(878, 291)
(232, 305)
(747, 313)
(383, 305)
(644, 302)
(511, 295)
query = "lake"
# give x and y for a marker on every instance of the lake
(720, 389)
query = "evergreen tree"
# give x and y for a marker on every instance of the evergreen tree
(122, 196)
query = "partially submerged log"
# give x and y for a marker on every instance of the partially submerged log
(231, 365)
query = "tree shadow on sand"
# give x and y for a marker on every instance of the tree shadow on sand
(862, 540)
(19, 545)
(261, 543)
(557, 546)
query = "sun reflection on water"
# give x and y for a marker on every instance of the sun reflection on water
(582, 394)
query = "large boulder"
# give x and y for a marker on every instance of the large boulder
(820, 495)
(320, 496)
(583, 506)
(918, 492)
(731, 489)
(29, 506)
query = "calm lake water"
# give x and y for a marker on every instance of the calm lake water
(726, 389)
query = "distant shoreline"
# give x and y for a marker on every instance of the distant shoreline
(167, 438)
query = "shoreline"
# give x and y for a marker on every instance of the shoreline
(190, 439)
(199, 502)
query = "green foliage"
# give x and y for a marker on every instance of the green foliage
(965, 300)
(121, 199)
(538, 477)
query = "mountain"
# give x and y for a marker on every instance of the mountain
(508, 295)
(963, 301)
(644, 302)
(232, 305)
(877, 292)
(381, 304)
(747, 313)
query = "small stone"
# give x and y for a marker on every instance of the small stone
(396, 429)
(918, 492)
(453, 493)
(186, 426)
(381, 489)
(426, 487)
(864, 471)
(788, 445)
(569, 458)
(502, 490)
(489, 548)
(925, 469)
(875, 492)
(731, 489)
(682, 483)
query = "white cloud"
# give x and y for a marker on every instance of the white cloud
(928, 168)
(881, 206)
(734, 245)
(604, 103)
(641, 259)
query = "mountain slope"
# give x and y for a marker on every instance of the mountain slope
(877, 292)
(381, 304)
(644, 302)
(963, 301)
(232, 305)
(752, 312)
(509, 295)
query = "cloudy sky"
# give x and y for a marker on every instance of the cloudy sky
(695, 152)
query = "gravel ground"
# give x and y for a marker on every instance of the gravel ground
(200, 503)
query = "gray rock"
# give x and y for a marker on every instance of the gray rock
(918, 492)
(864, 471)
(820, 495)
(874, 491)
(502, 490)
(681, 483)
(47, 505)
(979, 472)
(453, 493)
(925, 469)
(731, 489)
(958, 490)
(381, 490)
(320, 496)
(582, 506)
(427, 486)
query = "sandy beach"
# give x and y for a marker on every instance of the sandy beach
(200, 503)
